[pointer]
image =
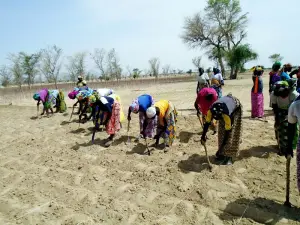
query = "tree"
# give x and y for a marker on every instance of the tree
(30, 64)
(166, 69)
(76, 65)
(17, 70)
(220, 27)
(275, 57)
(5, 76)
(114, 69)
(197, 61)
(238, 56)
(136, 73)
(51, 63)
(99, 58)
(154, 66)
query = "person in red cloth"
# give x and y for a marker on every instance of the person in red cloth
(205, 98)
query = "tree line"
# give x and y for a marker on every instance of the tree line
(47, 63)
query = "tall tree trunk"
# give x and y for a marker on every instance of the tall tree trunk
(220, 61)
(55, 82)
(231, 72)
(235, 72)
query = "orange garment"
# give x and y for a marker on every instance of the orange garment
(163, 106)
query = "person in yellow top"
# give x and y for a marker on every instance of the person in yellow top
(228, 110)
(166, 115)
(80, 83)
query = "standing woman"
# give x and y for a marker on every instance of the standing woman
(274, 77)
(166, 115)
(140, 106)
(217, 81)
(60, 102)
(203, 80)
(257, 96)
(228, 110)
(282, 97)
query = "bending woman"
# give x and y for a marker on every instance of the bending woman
(166, 115)
(228, 110)
(140, 106)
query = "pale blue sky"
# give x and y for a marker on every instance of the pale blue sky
(138, 29)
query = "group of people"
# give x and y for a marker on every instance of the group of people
(284, 91)
(157, 119)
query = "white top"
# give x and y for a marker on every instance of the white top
(105, 91)
(217, 76)
(203, 78)
(283, 103)
(294, 113)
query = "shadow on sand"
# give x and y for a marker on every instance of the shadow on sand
(260, 210)
(196, 163)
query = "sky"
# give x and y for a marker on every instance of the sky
(139, 29)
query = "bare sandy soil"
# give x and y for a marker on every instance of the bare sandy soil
(52, 174)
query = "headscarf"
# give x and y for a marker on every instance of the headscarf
(216, 70)
(218, 109)
(281, 89)
(151, 112)
(134, 107)
(257, 70)
(36, 96)
(72, 94)
(276, 66)
(201, 71)
(292, 83)
(92, 99)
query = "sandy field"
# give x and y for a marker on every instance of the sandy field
(52, 174)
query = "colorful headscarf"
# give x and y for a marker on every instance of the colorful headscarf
(151, 112)
(218, 109)
(36, 96)
(134, 107)
(72, 94)
(92, 99)
(281, 89)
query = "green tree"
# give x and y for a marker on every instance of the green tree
(275, 57)
(17, 70)
(238, 56)
(30, 65)
(219, 28)
(136, 73)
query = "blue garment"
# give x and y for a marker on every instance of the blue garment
(284, 76)
(107, 105)
(145, 101)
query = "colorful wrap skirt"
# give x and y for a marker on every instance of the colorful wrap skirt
(281, 131)
(218, 90)
(232, 146)
(171, 118)
(257, 105)
(151, 125)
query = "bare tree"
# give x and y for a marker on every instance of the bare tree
(113, 65)
(76, 65)
(17, 70)
(154, 66)
(5, 76)
(197, 61)
(99, 58)
(51, 63)
(166, 69)
(30, 65)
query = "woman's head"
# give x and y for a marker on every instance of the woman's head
(282, 89)
(36, 96)
(216, 70)
(134, 107)
(287, 67)
(276, 66)
(217, 110)
(151, 112)
(258, 71)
